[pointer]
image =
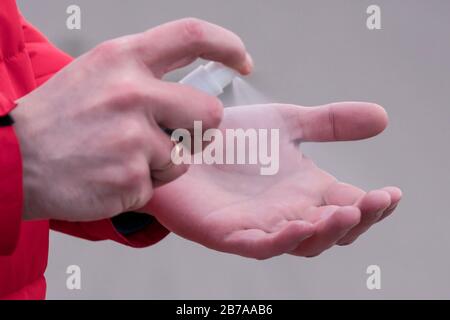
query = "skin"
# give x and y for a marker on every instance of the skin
(84, 137)
(302, 210)
(84, 134)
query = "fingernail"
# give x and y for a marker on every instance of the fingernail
(248, 67)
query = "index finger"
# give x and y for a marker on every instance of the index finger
(180, 42)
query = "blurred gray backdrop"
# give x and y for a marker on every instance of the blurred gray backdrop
(308, 53)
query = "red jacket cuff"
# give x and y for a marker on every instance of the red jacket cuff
(105, 230)
(11, 193)
(149, 235)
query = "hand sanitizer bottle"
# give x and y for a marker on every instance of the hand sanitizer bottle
(211, 78)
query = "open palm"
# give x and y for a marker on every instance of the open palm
(301, 209)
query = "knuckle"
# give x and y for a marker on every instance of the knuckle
(136, 187)
(135, 177)
(107, 49)
(126, 92)
(132, 135)
(143, 196)
(114, 50)
(194, 29)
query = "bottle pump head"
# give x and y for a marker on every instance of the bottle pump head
(211, 78)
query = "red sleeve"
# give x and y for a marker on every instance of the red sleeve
(11, 194)
(46, 60)
(104, 229)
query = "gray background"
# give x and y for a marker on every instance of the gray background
(306, 52)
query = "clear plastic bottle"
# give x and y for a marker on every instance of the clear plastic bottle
(211, 78)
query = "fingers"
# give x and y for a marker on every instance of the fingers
(342, 194)
(255, 243)
(396, 196)
(336, 121)
(178, 106)
(372, 206)
(328, 231)
(163, 169)
(332, 224)
(178, 43)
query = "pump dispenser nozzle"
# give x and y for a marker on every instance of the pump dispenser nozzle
(211, 78)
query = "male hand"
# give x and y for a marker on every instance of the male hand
(301, 210)
(91, 137)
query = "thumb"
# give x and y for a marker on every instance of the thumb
(337, 121)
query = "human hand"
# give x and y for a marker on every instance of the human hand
(90, 137)
(301, 210)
